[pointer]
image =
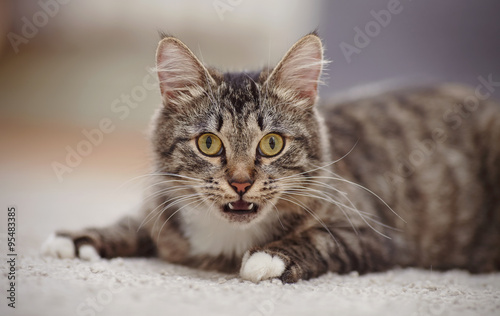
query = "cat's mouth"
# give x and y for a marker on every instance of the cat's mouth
(240, 207)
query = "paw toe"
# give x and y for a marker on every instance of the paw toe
(261, 266)
(59, 247)
(88, 252)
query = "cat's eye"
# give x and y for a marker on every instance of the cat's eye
(271, 145)
(209, 144)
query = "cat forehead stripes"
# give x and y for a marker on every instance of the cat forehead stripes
(240, 92)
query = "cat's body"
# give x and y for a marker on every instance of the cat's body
(438, 170)
(248, 176)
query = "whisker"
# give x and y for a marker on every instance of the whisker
(277, 214)
(174, 201)
(168, 181)
(343, 195)
(153, 175)
(341, 206)
(304, 181)
(154, 212)
(177, 175)
(210, 208)
(328, 198)
(339, 178)
(170, 190)
(177, 211)
(322, 167)
(301, 205)
(210, 93)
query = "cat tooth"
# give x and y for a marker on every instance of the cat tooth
(230, 206)
(250, 206)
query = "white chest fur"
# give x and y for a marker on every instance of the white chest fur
(209, 234)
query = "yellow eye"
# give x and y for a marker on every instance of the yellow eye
(271, 145)
(209, 144)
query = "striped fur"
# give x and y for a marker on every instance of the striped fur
(396, 179)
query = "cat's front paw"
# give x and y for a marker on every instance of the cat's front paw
(64, 248)
(59, 247)
(260, 266)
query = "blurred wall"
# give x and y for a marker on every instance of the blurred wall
(424, 40)
(89, 53)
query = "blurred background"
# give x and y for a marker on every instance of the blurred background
(67, 65)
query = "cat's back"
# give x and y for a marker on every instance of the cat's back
(433, 154)
(450, 106)
(422, 122)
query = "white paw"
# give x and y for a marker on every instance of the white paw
(88, 252)
(59, 247)
(261, 266)
(64, 248)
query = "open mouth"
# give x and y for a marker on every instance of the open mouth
(240, 207)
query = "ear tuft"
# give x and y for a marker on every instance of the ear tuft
(163, 34)
(297, 75)
(182, 76)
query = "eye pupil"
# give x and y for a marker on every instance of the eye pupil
(209, 144)
(272, 142)
(271, 145)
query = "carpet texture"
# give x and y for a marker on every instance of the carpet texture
(152, 287)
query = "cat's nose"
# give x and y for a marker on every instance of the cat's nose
(240, 187)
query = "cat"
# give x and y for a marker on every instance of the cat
(252, 174)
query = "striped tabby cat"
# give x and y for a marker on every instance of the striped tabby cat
(250, 175)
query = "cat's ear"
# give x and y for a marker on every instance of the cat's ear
(297, 75)
(182, 76)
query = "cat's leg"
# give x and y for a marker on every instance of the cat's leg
(315, 252)
(123, 239)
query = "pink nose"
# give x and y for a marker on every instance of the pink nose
(240, 187)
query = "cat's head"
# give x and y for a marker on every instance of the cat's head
(234, 144)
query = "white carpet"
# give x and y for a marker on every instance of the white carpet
(151, 287)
